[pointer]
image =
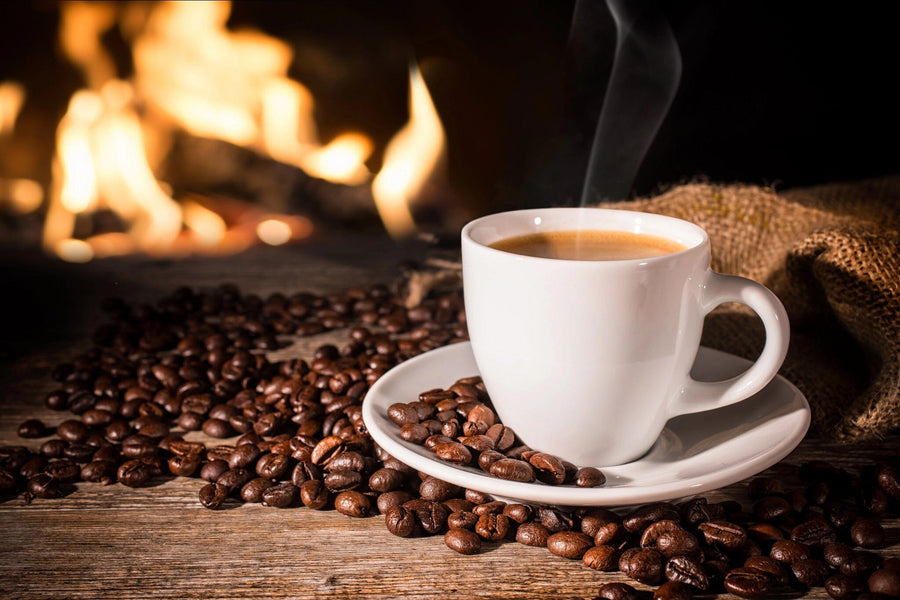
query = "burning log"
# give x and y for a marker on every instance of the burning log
(209, 166)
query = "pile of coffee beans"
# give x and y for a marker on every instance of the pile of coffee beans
(196, 361)
(459, 425)
(290, 435)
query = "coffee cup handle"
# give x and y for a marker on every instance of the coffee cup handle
(699, 396)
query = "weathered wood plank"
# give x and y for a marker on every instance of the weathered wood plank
(158, 542)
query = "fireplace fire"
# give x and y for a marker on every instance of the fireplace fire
(118, 183)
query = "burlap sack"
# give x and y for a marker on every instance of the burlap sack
(832, 254)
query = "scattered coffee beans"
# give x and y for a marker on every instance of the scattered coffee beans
(196, 362)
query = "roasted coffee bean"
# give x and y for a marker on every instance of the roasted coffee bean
(638, 520)
(437, 490)
(492, 527)
(836, 554)
(99, 471)
(184, 465)
(653, 531)
(569, 544)
(687, 570)
(401, 414)
(273, 466)
(53, 448)
(645, 565)
(844, 587)
(554, 519)
(532, 534)
(769, 508)
(678, 543)
(810, 572)
(386, 479)
(512, 469)
(234, 479)
(699, 510)
(33, 466)
(872, 499)
(400, 521)
(760, 487)
(65, 470)
(32, 428)
(415, 433)
(592, 521)
(520, 513)
(217, 428)
(502, 436)
(212, 495)
(431, 516)
(314, 494)
(453, 452)
(280, 495)
(885, 581)
(588, 477)
(601, 558)
(487, 458)
(393, 498)
(889, 481)
(816, 532)
(789, 551)
(777, 572)
(617, 591)
(611, 533)
(463, 541)
(343, 480)
(462, 520)
(868, 533)
(673, 590)
(841, 513)
(723, 534)
(134, 473)
(43, 485)
(548, 468)
(244, 456)
(489, 508)
(211, 470)
(72, 430)
(747, 582)
(861, 564)
(252, 491)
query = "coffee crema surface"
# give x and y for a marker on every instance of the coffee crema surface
(589, 245)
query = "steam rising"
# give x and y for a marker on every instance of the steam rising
(642, 85)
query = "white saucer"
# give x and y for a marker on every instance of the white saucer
(695, 453)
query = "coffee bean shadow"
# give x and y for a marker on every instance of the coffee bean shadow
(158, 480)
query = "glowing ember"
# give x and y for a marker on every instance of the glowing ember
(20, 196)
(274, 232)
(72, 250)
(410, 159)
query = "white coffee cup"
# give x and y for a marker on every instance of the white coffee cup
(587, 360)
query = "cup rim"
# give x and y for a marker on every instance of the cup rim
(699, 235)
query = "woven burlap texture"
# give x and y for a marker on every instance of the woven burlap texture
(832, 254)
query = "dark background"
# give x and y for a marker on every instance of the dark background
(774, 93)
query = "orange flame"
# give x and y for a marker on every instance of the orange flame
(201, 78)
(410, 159)
(17, 196)
(12, 96)
(193, 74)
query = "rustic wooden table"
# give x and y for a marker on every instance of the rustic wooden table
(159, 542)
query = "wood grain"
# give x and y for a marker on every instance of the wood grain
(158, 542)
